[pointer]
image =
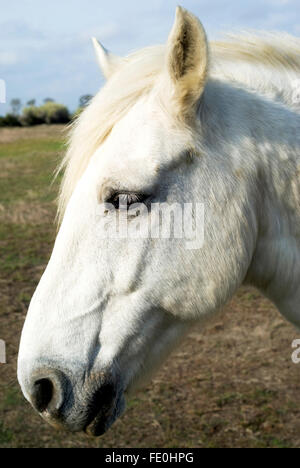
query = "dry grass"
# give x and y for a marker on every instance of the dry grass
(10, 135)
(230, 385)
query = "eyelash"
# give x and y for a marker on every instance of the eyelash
(126, 199)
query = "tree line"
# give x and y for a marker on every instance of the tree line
(49, 112)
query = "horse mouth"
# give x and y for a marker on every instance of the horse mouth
(103, 412)
(98, 426)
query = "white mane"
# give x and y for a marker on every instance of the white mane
(266, 62)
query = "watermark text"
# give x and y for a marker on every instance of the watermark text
(158, 221)
(2, 352)
(296, 353)
(2, 92)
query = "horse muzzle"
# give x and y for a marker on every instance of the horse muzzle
(89, 403)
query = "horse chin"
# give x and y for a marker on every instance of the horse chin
(101, 421)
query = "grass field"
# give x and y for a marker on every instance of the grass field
(230, 385)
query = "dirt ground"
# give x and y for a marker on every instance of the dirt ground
(232, 384)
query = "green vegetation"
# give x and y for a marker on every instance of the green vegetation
(10, 120)
(50, 112)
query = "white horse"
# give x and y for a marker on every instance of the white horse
(190, 122)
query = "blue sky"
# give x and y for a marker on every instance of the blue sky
(45, 47)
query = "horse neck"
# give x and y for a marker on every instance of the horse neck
(253, 131)
(257, 141)
(269, 137)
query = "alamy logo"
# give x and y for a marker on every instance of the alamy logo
(296, 353)
(2, 352)
(2, 92)
(158, 221)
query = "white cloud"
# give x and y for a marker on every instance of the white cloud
(105, 32)
(45, 48)
(8, 59)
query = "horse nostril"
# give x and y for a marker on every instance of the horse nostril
(47, 391)
(42, 394)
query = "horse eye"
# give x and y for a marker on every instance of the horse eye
(124, 200)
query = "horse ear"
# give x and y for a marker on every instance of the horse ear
(187, 60)
(108, 62)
